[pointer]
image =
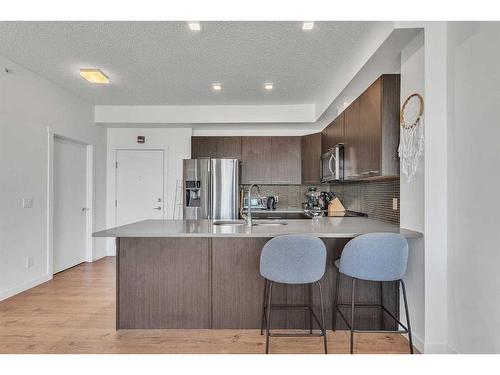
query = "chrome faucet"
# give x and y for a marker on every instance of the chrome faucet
(249, 212)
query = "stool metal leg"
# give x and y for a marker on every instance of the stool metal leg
(382, 321)
(323, 328)
(262, 324)
(310, 309)
(268, 321)
(334, 304)
(407, 315)
(353, 294)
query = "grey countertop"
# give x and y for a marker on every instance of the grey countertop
(326, 227)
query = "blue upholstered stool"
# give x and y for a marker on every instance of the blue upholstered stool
(293, 259)
(373, 257)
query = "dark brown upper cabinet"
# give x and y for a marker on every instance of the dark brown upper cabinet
(271, 160)
(311, 158)
(216, 147)
(352, 142)
(203, 147)
(372, 131)
(286, 160)
(256, 153)
(333, 134)
(229, 147)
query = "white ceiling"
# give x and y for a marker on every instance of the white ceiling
(164, 63)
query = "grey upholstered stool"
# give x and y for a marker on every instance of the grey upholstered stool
(293, 259)
(374, 257)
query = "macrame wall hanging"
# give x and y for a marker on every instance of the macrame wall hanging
(411, 144)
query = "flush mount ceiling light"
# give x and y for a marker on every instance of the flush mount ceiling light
(94, 76)
(194, 26)
(307, 25)
(216, 86)
(268, 86)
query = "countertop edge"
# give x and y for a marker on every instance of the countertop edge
(124, 233)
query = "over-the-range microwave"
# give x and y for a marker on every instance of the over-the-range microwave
(332, 164)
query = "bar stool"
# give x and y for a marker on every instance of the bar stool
(293, 259)
(373, 257)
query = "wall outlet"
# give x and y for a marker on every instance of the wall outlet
(395, 204)
(29, 262)
(27, 202)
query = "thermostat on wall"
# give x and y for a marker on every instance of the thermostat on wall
(141, 139)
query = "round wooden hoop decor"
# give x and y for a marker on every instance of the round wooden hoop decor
(401, 114)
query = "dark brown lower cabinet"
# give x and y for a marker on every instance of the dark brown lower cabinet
(215, 283)
(163, 283)
(236, 282)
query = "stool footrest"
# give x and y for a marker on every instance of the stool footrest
(294, 306)
(296, 334)
(282, 306)
(405, 329)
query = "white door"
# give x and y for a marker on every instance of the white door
(70, 197)
(139, 185)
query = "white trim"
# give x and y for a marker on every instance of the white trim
(23, 287)
(90, 214)
(418, 343)
(192, 114)
(50, 201)
(89, 227)
(439, 348)
(436, 187)
(451, 349)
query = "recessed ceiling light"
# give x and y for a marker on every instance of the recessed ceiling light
(307, 25)
(216, 86)
(268, 85)
(194, 26)
(94, 75)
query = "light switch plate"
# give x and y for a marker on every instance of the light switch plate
(395, 204)
(27, 202)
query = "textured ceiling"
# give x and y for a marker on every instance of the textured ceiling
(166, 63)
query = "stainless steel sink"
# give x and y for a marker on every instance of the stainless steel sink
(229, 222)
(255, 222)
(269, 222)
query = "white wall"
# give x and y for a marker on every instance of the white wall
(412, 196)
(474, 186)
(28, 105)
(176, 142)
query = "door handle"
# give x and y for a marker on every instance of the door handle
(84, 209)
(157, 208)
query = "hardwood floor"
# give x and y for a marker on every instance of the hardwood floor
(75, 313)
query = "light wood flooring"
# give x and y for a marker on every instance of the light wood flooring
(75, 313)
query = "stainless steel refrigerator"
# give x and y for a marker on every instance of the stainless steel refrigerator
(211, 189)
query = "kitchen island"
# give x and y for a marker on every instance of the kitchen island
(196, 274)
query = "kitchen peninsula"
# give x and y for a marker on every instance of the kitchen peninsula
(199, 274)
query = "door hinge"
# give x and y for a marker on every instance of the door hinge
(116, 164)
(116, 203)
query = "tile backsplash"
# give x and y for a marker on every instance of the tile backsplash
(374, 198)
(290, 196)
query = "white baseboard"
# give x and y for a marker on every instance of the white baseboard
(417, 342)
(439, 348)
(25, 286)
(100, 257)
